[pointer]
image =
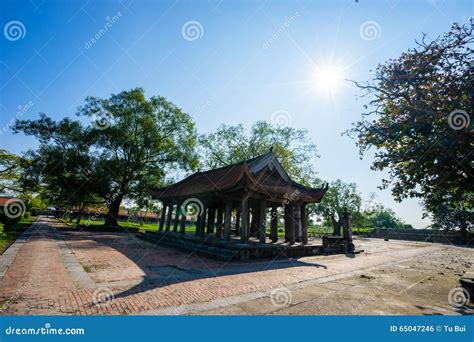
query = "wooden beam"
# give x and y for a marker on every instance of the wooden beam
(291, 224)
(227, 219)
(220, 214)
(304, 224)
(262, 221)
(210, 220)
(182, 228)
(274, 224)
(244, 219)
(168, 218)
(162, 217)
(176, 218)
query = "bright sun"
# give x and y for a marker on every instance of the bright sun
(328, 78)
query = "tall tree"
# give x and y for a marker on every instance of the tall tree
(232, 144)
(418, 122)
(63, 169)
(340, 195)
(137, 140)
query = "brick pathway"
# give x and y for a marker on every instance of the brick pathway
(88, 273)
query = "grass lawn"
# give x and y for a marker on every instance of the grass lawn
(312, 230)
(8, 237)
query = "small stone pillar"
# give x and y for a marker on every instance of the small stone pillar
(346, 225)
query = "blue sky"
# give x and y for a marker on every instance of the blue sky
(248, 61)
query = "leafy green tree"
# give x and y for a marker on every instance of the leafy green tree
(10, 169)
(138, 139)
(381, 217)
(418, 124)
(340, 195)
(232, 144)
(63, 170)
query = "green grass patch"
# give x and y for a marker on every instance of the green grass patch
(9, 236)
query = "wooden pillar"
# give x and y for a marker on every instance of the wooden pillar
(220, 214)
(274, 224)
(168, 218)
(182, 228)
(162, 217)
(291, 224)
(297, 219)
(244, 217)
(262, 221)
(202, 226)
(176, 218)
(210, 220)
(286, 222)
(227, 219)
(237, 222)
(304, 224)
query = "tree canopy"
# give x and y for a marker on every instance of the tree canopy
(125, 149)
(232, 144)
(417, 121)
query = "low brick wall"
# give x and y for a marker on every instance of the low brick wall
(420, 235)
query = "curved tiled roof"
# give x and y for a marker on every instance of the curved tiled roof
(263, 174)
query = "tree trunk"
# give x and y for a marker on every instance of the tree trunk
(112, 215)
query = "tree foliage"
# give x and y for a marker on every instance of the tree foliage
(232, 144)
(417, 120)
(137, 140)
(340, 195)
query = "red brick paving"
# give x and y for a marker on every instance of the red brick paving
(142, 276)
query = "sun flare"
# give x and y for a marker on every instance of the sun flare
(328, 78)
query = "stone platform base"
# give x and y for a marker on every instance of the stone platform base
(213, 247)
